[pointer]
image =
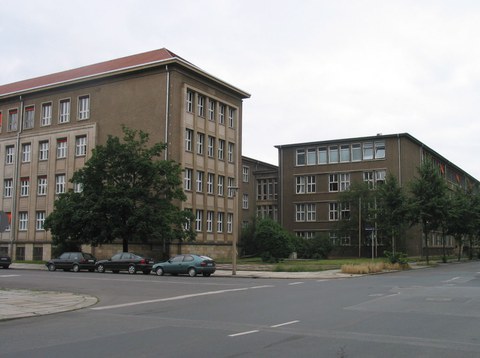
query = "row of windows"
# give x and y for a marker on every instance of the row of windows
(23, 220)
(207, 183)
(343, 153)
(307, 212)
(46, 113)
(307, 184)
(210, 220)
(343, 240)
(211, 109)
(43, 150)
(267, 189)
(42, 185)
(210, 146)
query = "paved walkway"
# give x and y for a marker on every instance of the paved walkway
(26, 303)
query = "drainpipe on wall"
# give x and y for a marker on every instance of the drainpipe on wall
(399, 161)
(167, 111)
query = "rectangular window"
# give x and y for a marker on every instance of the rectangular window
(299, 212)
(356, 152)
(43, 150)
(8, 188)
(26, 152)
(29, 117)
(211, 146)
(368, 177)
(333, 154)
(9, 154)
(229, 223)
(220, 221)
(300, 157)
(64, 112)
(367, 150)
(311, 156)
(333, 211)
(61, 148)
(199, 220)
(221, 148)
(245, 174)
(83, 107)
(231, 187)
(39, 220)
(221, 113)
(245, 201)
(42, 185)
(345, 211)
(188, 139)
(210, 183)
(12, 120)
(23, 221)
(187, 179)
(311, 184)
(77, 187)
(46, 119)
(200, 181)
(200, 142)
(221, 184)
(231, 117)
(380, 149)
(311, 210)
(60, 184)
(333, 182)
(344, 153)
(211, 110)
(189, 104)
(380, 176)
(210, 215)
(344, 181)
(81, 146)
(24, 186)
(230, 152)
(201, 105)
(322, 155)
(300, 185)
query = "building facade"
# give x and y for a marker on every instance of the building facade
(313, 175)
(50, 124)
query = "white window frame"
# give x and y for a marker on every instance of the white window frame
(29, 117)
(188, 139)
(311, 184)
(245, 174)
(231, 117)
(40, 220)
(64, 111)
(229, 223)
(12, 121)
(245, 201)
(200, 143)
(24, 186)
(43, 147)
(200, 176)
(199, 220)
(333, 211)
(46, 119)
(220, 218)
(220, 185)
(221, 149)
(300, 185)
(221, 113)
(333, 155)
(230, 152)
(333, 185)
(187, 179)
(8, 188)
(9, 154)
(23, 221)
(189, 101)
(209, 222)
(311, 212)
(344, 179)
(83, 107)
(26, 152)
(210, 183)
(201, 105)
(42, 183)
(299, 212)
(62, 147)
(81, 146)
(211, 110)
(211, 147)
(60, 183)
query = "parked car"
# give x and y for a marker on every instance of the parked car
(5, 261)
(186, 264)
(75, 261)
(126, 261)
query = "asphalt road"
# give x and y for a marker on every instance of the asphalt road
(419, 313)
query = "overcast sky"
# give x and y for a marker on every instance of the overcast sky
(316, 70)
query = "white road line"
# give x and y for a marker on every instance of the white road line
(284, 324)
(243, 333)
(295, 283)
(264, 286)
(175, 298)
(9, 275)
(452, 279)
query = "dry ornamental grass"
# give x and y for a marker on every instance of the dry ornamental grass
(374, 267)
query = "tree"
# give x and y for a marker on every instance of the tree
(273, 241)
(427, 202)
(129, 193)
(458, 216)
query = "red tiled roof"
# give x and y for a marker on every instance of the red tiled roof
(90, 70)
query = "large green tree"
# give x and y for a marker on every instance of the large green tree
(129, 193)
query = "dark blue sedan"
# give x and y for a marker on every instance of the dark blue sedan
(186, 264)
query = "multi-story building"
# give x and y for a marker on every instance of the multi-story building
(50, 124)
(313, 175)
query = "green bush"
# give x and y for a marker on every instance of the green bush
(397, 257)
(318, 247)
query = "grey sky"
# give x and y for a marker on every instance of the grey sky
(317, 70)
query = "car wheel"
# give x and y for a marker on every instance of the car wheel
(76, 268)
(206, 274)
(192, 272)
(51, 267)
(132, 269)
(101, 268)
(159, 271)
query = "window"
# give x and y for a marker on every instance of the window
(230, 223)
(189, 104)
(231, 117)
(83, 107)
(77, 187)
(199, 220)
(333, 211)
(42, 185)
(81, 145)
(26, 152)
(43, 150)
(211, 146)
(230, 152)
(311, 185)
(267, 189)
(8, 188)
(380, 176)
(210, 215)
(368, 177)
(46, 118)
(60, 183)
(29, 115)
(221, 148)
(37, 253)
(24, 186)
(39, 220)
(245, 201)
(300, 186)
(220, 216)
(221, 183)
(22, 221)
(61, 148)
(299, 212)
(245, 174)
(201, 105)
(211, 110)
(333, 154)
(356, 152)
(210, 183)
(345, 211)
(200, 142)
(221, 113)
(199, 181)
(231, 187)
(187, 179)
(322, 155)
(300, 157)
(333, 182)
(64, 113)
(344, 181)
(379, 149)
(367, 151)
(9, 154)
(344, 153)
(188, 139)
(311, 210)
(311, 156)
(12, 120)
